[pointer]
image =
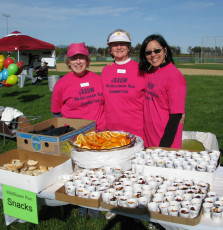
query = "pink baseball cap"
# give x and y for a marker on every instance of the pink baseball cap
(77, 48)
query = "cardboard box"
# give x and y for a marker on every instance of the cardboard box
(176, 219)
(135, 211)
(62, 196)
(62, 164)
(207, 177)
(50, 144)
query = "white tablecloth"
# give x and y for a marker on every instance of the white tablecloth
(47, 197)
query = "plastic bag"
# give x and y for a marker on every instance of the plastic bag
(120, 158)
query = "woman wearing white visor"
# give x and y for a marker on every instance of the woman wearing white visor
(124, 87)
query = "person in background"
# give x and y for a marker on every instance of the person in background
(79, 93)
(8, 55)
(30, 67)
(165, 94)
(41, 72)
(124, 87)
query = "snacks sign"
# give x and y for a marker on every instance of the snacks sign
(20, 204)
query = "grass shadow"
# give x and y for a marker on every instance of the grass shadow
(29, 98)
(58, 212)
(125, 223)
(14, 94)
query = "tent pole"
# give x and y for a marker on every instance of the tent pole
(18, 55)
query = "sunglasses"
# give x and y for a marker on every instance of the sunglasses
(156, 51)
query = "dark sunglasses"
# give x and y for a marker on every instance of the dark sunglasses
(156, 51)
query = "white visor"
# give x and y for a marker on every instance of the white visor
(118, 37)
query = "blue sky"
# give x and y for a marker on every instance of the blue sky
(181, 22)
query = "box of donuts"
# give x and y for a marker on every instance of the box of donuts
(32, 171)
(187, 164)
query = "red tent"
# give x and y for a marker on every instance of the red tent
(17, 41)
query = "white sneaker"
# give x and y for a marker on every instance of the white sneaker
(110, 215)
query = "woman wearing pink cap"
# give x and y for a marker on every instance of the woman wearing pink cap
(124, 87)
(79, 93)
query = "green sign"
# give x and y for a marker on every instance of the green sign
(20, 203)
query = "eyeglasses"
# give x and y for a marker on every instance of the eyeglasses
(156, 51)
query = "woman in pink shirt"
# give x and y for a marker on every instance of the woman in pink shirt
(79, 93)
(124, 87)
(165, 94)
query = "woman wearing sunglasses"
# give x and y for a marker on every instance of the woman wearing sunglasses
(165, 94)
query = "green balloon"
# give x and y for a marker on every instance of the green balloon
(11, 80)
(12, 69)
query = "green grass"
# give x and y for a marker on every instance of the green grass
(203, 113)
(199, 66)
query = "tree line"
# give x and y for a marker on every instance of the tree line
(176, 50)
(209, 51)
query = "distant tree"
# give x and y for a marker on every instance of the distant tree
(102, 51)
(137, 48)
(61, 51)
(176, 50)
(194, 50)
(92, 50)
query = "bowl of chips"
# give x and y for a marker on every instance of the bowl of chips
(104, 141)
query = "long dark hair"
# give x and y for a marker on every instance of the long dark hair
(144, 65)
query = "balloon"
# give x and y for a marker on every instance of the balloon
(1, 77)
(20, 64)
(5, 74)
(1, 66)
(12, 69)
(8, 61)
(2, 59)
(11, 80)
(13, 59)
(6, 85)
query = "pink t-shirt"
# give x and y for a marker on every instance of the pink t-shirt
(124, 92)
(79, 97)
(165, 95)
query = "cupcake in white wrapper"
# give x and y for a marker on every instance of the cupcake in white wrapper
(194, 211)
(164, 208)
(106, 197)
(207, 209)
(173, 210)
(184, 212)
(216, 214)
(142, 202)
(153, 206)
(85, 193)
(175, 203)
(122, 201)
(113, 200)
(94, 195)
(132, 203)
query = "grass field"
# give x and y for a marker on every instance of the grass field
(203, 113)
